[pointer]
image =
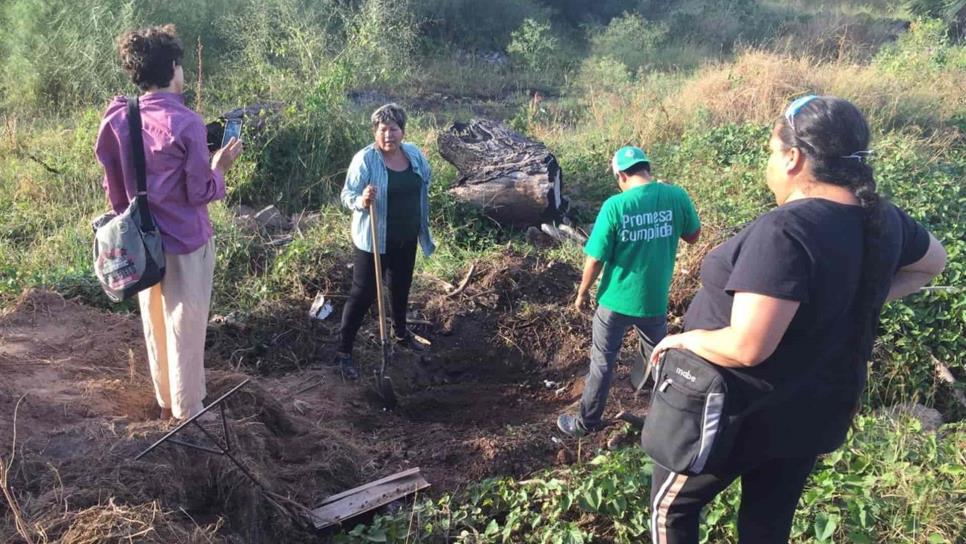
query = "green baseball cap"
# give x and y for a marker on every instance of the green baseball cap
(628, 156)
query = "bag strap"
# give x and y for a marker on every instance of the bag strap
(140, 169)
(771, 398)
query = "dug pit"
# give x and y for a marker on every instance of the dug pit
(507, 356)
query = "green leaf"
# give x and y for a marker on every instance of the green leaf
(825, 525)
(377, 535)
(599, 460)
(936, 538)
(856, 537)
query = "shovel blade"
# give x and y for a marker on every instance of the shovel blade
(641, 365)
(386, 392)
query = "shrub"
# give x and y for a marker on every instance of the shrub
(532, 45)
(925, 49)
(59, 52)
(380, 41)
(477, 25)
(298, 161)
(629, 39)
(929, 8)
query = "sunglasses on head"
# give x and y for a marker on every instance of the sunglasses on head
(796, 107)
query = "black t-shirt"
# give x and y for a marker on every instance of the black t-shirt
(809, 251)
(402, 212)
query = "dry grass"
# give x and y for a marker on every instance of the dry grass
(756, 86)
(145, 523)
(5, 466)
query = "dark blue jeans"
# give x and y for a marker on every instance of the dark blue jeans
(608, 335)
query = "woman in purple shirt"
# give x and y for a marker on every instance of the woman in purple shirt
(181, 181)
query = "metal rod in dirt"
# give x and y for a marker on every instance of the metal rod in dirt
(190, 420)
(224, 424)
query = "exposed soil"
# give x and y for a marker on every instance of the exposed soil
(508, 354)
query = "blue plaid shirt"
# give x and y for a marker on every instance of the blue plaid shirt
(368, 168)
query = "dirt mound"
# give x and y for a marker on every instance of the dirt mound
(507, 356)
(523, 304)
(84, 407)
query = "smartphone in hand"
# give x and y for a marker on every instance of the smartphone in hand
(232, 130)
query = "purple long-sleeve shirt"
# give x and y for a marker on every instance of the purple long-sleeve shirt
(180, 180)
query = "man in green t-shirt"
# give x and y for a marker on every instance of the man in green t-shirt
(634, 243)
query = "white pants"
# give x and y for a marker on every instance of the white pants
(175, 317)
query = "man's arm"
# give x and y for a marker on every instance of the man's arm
(108, 152)
(592, 268)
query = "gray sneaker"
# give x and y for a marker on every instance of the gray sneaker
(569, 425)
(347, 366)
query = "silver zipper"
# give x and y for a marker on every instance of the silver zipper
(664, 385)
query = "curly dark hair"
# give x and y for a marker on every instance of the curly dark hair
(834, 135)
(147, 55)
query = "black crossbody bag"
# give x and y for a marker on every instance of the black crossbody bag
(696, 410)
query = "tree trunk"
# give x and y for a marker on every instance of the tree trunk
(513, 179)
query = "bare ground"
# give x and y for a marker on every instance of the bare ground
(508, 355)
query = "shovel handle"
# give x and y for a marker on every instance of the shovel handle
(378, 262)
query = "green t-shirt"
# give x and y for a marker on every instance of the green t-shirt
(636, 237)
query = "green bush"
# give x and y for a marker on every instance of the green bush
(930, 8)
(60, 52)
(532, 45)
(629, 39)
(60, 55)
(474, 24)
(924, 50)
(299, 160)
(925, 325)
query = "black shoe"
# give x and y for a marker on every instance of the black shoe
(411, 343)
(569, 425)
(347, 366)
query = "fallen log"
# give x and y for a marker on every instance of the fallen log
(515, 180)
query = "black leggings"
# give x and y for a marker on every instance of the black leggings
(769, 494)
(397, 267)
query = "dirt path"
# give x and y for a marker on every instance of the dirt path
(506, 359)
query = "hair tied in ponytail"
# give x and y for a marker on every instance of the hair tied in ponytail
(861, 156)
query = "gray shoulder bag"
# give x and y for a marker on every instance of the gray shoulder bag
(128, 254)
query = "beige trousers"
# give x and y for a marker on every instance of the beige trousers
(175, 317)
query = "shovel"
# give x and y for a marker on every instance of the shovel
(383, 383)
(641, 365)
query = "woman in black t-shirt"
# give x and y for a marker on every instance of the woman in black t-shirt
(792, 303)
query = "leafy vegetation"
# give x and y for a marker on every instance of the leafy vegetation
(888, 483)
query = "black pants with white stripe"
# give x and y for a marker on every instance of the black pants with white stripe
(769, 494)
